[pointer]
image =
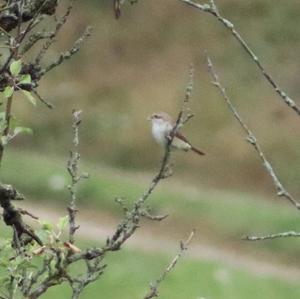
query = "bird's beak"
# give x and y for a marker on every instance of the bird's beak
(149, 118)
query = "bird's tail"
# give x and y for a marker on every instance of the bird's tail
(197, 151)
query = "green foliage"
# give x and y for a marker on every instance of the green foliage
(8, 127)
(19, 130)
(25, 79)
(13, 265)
(63, 222)
(8, 92)
(18, 267)
(15, 67)
(19, 79)
(50, 234)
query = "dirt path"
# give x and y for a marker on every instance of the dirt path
(95, 226)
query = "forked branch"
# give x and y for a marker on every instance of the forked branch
(213, 10)
(281, 191)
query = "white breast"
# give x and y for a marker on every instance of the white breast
(160, 131)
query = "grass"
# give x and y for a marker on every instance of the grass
(223, 216)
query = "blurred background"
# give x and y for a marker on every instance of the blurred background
(138, 65)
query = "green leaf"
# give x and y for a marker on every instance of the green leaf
(44, 235)
(47, 226)
(29, 97)
(15, 67)
(62, 222)
(19, 130)
(8, 91)
(25, 79)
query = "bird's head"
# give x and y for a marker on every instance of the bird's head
(159, 118)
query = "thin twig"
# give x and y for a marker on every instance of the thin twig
(34, 38)
(33, 22)
(58, 27)
(272, 236)
(68, 54)
(212, 9)
(25, 212)
(7, 116)
(73, 170)
(188, 93)
(20, 37)
(154, 286)
(147, 215)
(281, 191)
(49, 105)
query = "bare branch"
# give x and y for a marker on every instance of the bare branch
(49, 105)
(147, 215)
(23, 233)
(272, 236)
(73, 170)
(154, 286)
(281, 191)
(212, 9)
(7, 116)
(25, 212)
(68, 54)
(58, 27)
(34, 38)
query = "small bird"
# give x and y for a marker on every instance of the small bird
(162, 127)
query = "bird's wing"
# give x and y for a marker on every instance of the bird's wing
(181, 137)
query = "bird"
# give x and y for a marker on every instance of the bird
(162, 126)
